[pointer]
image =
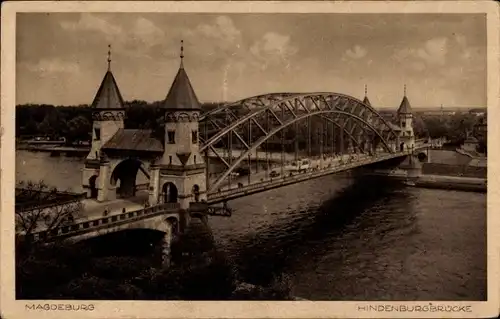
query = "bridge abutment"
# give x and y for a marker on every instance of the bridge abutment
(412, 166)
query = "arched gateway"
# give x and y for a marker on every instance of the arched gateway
(170, 193)
(170, 161)
(124, 177)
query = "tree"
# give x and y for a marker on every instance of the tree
(419, 127)
(78, 129)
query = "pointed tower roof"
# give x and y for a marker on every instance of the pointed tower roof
(405, 107)
(366, 100)
(108, 95)
(181, 94)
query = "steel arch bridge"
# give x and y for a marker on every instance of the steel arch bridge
(317, 124)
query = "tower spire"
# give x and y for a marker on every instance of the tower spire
(366, 100)
(181, 94)
(109, 57)
(182, 54)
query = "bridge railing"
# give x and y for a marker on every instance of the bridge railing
(107, 221)
(285, 180)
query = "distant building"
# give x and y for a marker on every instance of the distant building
(480, 130)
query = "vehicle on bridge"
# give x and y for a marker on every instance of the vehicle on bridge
(300, 166)
(274, 174)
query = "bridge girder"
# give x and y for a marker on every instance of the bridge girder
(261, 140)
(247, 103)
(269, 114)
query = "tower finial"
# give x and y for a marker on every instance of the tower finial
(109, 57)
(182, 50)
(366, 90)
(405, 90)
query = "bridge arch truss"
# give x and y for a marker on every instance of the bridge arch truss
(316, 123)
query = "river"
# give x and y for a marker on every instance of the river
(339, 239)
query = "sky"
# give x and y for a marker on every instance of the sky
(62, 57)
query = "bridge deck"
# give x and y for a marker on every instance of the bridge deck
(231, 191)
(93, 215)
(82, 227)
(93, 208)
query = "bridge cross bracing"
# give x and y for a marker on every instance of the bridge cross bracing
(288, 127)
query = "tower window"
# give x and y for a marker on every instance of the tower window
(194, 137)
(171, 137)
(170, 160)
(97, 132)
(403, 124)
(195, 159)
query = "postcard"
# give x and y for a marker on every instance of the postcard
(249, 159)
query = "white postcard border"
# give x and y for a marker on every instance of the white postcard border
(235, 309)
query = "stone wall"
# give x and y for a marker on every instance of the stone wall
(454, 170)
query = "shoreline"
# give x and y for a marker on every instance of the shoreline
(468, 184)
(445, 182)
(52, 148)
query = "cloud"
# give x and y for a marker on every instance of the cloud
(214, 42)
(273, 48)
(45, 66)
(146, 31)
(466, 53)
(220, 38)
(90, 22)
(355, 53)
(434, 51)
(133, 39)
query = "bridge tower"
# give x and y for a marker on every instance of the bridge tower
(179, 175)
(108, 113)
(405, 119)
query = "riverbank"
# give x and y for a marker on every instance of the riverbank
(55, 150)
(471, 184)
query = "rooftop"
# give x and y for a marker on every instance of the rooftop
(134, 139)
(405, 107)
(108, 95)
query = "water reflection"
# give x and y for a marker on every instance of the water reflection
(306, 235)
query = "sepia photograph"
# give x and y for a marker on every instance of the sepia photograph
(249, 155)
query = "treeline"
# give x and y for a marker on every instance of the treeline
(74, 123)
(456, 128)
